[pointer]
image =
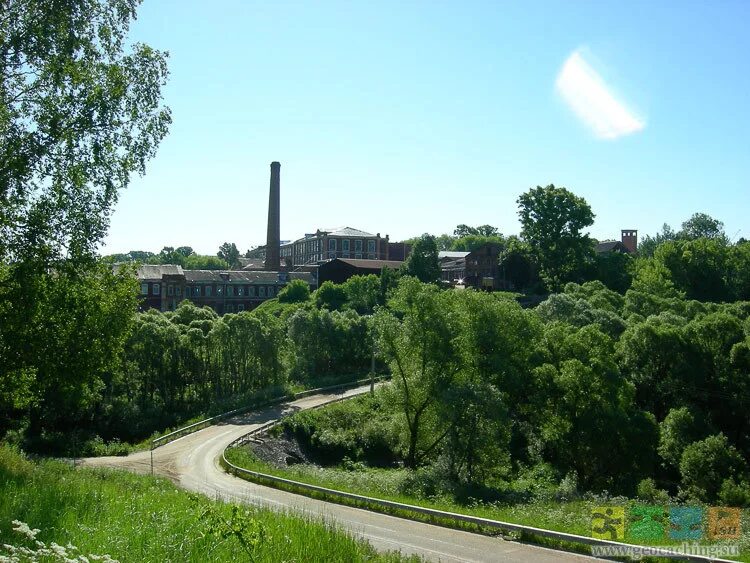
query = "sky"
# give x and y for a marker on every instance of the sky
(408, 117)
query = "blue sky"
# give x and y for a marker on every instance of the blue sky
(412, 117)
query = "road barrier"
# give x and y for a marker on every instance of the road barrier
(190, 428)
(450, 519)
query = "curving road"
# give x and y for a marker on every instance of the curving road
(192, 462)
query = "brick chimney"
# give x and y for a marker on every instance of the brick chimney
(630, 240)
(273, 237)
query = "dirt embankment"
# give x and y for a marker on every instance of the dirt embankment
(278, 451)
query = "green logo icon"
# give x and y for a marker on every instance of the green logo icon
(647, 523)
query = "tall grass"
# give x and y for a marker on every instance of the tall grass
(135, 518)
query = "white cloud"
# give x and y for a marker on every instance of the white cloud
(593, 101)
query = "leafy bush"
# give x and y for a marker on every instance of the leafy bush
(648, 492)
(706, 464)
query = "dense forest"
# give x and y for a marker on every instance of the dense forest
(617, 391)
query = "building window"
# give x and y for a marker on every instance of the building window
(170, 290)
(240, 291)
(251, 291)
(156, 289)
(331, 255)
(219, 290)
(207, 291)
(370, 246)
(358, 245)
(345, 245)
(358, 255)
(240, 307)
(178, 291)
(230, 309)
(331, 244)
(371, 257)
(345, 254)
(144, 289)
(262, 291)
(230, 291)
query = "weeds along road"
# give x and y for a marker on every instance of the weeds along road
(192, 462)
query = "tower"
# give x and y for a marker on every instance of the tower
(273, 236)
(630, 240)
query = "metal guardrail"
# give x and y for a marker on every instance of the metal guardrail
(190, 428)
(390, 506)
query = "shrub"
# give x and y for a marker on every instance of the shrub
(706, 464)
(648, 492)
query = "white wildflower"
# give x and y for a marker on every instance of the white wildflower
(23, 528)
(59, 550)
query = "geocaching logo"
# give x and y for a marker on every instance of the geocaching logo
(678, 523)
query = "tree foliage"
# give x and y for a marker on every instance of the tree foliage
(229, 254)
(552, 222)
(80, 112)
(422, 263)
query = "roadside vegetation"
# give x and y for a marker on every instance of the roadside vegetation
(141, 518)
(591, 397)
(552, 506)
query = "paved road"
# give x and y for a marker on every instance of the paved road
(192, 462)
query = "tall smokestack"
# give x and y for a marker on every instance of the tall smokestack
(273, 262)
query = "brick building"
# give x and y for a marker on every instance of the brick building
(339, 270)
(627, 244)
(344, 242)
(478, 268)
(163, 287)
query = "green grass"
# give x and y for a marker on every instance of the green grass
(136, 518)
(564, 516)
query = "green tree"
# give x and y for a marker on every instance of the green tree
(699, 267)
(330, 296)
(423, 260)
(472, 242)
(444, 241)
(79, 113)
(614, 269)
(230, 254)
(363, 293)
(296, 291)
(464, 230)
(677, 431)
(421, 352)
(661, 363)
(552, 222)
(702, 225)
(200, 262)
(705, 465)
(649, 244)
(518, 265)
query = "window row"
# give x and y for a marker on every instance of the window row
(208, 290)
(346, 245)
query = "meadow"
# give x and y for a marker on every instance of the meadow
(137, 518)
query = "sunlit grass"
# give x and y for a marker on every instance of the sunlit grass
(135, 518)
